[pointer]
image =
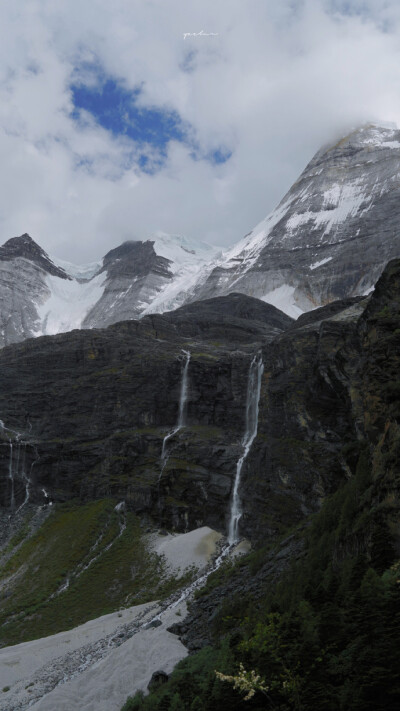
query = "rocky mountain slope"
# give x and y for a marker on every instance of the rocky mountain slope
(94, 407)
(328, 239)
(331, 235)
(95, 432)
(40, 295)
(94, 413)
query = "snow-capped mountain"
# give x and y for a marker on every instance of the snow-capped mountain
(40, 295)
(147, 277)
(328, 239)
(331, 235)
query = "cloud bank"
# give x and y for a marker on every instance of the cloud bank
(218, 126)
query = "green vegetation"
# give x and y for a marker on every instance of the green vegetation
(122, 572)
(326, 637)
(20, 535)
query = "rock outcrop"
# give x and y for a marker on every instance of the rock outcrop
(39, 296)
(95, 407)
(329, 239)
(331, 235)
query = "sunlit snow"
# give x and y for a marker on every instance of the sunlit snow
(191, 261)
(320, 263)
(340, 203)
(182, 250)
(283, 298)
(68, 303)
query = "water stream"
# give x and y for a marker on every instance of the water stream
(11, 477)
(17, 468)
(182, 412)
(252, 402)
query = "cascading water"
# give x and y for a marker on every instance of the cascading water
(28, 481)
(17, 466)
(182, 411)
(252, 401)
(11, 477)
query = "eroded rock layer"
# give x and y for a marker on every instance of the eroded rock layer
(89, 412)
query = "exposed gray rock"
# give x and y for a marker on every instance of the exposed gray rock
(135, 274)
(331, 235)
(329, 239)
(24, 267)
(39, 297)
(25, 247)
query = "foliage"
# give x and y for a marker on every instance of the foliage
(326, 637)
(48, 587)
(247, 682)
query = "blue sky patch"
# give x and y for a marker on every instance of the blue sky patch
(116, 109)
(221, 155)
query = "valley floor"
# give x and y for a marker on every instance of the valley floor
(94, 667)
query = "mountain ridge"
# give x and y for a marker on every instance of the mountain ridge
(328, 239)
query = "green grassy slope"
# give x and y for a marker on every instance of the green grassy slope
(122, 572)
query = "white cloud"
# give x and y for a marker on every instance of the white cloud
(278, 80)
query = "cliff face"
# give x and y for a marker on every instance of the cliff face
(39, 297)
(134, 275)
(331, 235)
(24, 268)
(93, 409)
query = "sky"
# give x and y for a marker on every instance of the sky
(190, 117)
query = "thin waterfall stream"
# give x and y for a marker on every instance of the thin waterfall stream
(17, 465)
(181, 414)
(252, 402)
(11, 477)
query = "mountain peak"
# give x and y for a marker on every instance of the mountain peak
(24, 246)
(371, 135)
(330, 236)
(135, 259)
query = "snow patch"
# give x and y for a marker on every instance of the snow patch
(175, 293)
(391, 144)
(191, 262)
(283, 298)
(250, 246)
(184, 550)
(320, 263)
(68, 303)
(182, 251)
(344, 201)
(76, 271)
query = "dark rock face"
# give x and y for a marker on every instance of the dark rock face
(325, 312)
(95, 407)
(158, 678)
(35, 300)
(24, 246)
(135, 259)
(235, 318)
(24, 270)
(196, 630)
(135, 274)
(98, 404)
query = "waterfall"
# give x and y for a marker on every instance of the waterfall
(252, 401)
(182, 411)
(27, 479)
(17, 468)
(11, 477)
